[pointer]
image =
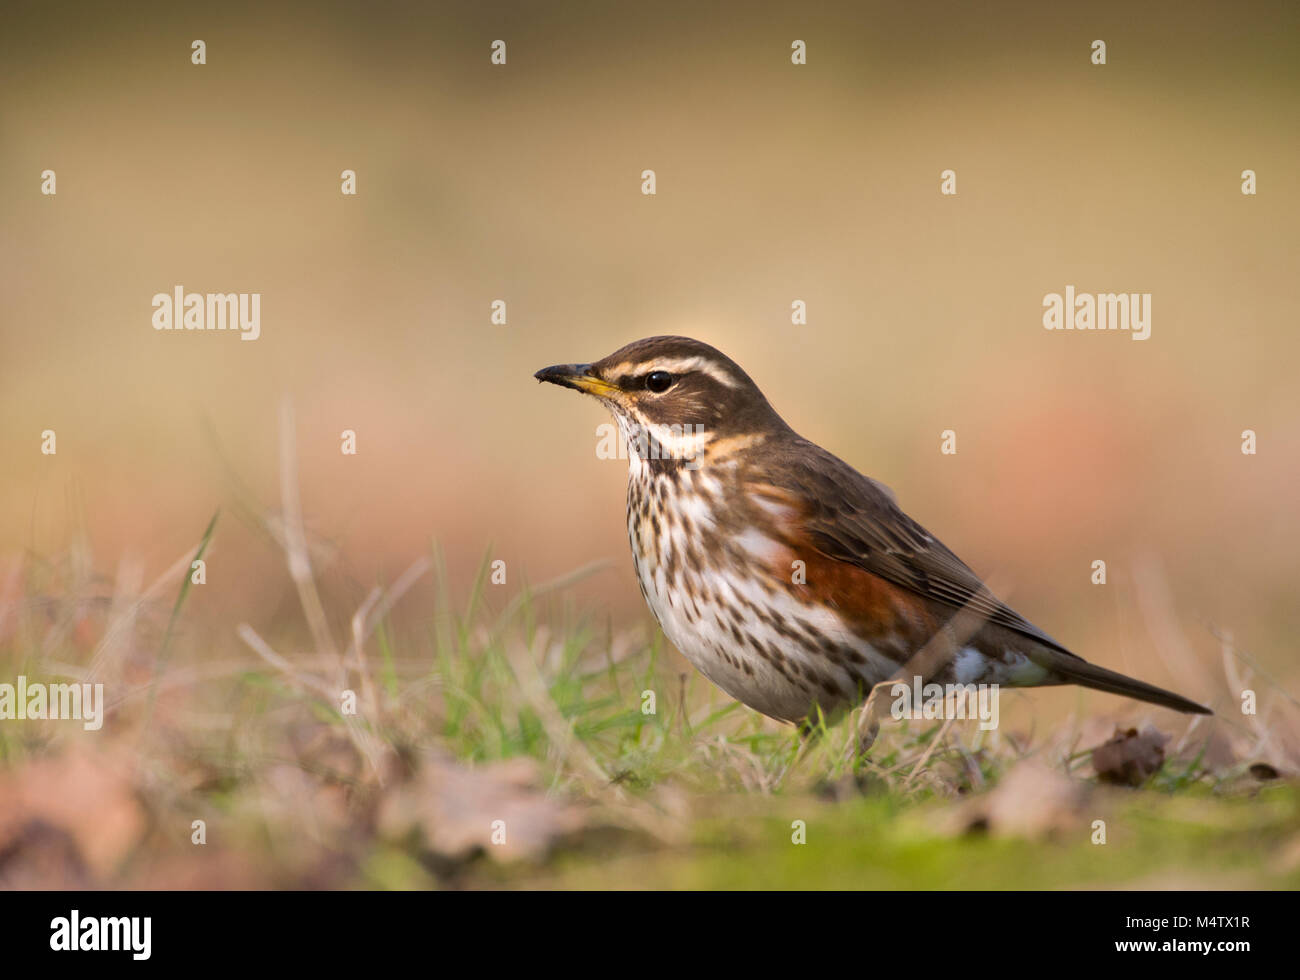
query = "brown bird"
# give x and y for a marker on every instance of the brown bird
(788, 578)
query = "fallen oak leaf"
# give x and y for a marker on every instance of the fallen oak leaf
(499, 808)
(1131, 757)
(83, 803)
(1031, 800)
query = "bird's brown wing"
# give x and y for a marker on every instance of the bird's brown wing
(851, 518)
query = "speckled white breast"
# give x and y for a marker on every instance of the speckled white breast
(714, 593)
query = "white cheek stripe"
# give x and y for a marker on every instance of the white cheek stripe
(674, 442)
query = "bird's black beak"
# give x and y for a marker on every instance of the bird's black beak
(575, 376)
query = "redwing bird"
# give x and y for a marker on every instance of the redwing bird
(788, 578)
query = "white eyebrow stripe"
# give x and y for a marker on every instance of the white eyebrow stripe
(676, 365)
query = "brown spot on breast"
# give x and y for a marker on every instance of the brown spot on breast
(773, 657)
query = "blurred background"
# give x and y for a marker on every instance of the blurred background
(776, 182)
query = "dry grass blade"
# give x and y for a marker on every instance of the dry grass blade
(366, 742)
(295, 536)
(571, 750)
(1156, 601)
(306, 683)
(929, 751)
(558, 730)
(368, 615)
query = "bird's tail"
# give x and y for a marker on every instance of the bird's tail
(1074, 670)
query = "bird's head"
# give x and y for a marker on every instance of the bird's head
(678, 392)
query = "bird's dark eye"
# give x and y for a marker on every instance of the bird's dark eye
(659, 381)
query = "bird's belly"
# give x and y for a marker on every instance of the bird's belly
(741, 627)
(768, 672)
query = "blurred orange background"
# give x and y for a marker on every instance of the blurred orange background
(775, 183)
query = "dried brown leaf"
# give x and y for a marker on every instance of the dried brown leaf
(456, 809)
(1130, 757)
(82, 804)
(1031, 800)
